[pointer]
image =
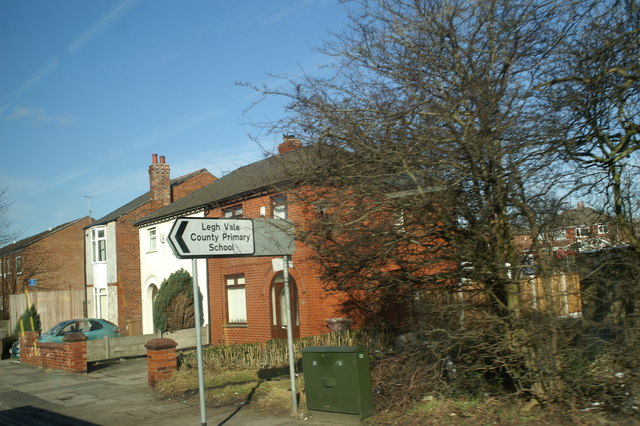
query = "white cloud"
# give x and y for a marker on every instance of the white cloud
(57, 181)
(33, 114)
(39, 75)
(105, 22)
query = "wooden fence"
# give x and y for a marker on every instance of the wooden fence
(126, 346)
(559, 294)
(53, 306)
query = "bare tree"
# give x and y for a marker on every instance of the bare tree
(6, 234)
(593, 94)
(440, 127)
(429, 148)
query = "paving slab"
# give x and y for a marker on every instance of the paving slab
(112, 394)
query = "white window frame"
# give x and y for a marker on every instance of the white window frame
(153, 239)
(279, 206)
(236, 299)
(559, 234)
(233, 211)
(18, 265)
(603, 229)
(98, 293)
(579, 232)
(99, 245)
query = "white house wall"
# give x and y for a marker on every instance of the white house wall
(101, 274)
(157, 265)
(112, 258)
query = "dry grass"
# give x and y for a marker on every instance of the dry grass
(243, 387)
(504, 411)
(234, 388)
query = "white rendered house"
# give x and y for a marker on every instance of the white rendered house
(157, 262)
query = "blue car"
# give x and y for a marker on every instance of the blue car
(15, 349)
(93, 328)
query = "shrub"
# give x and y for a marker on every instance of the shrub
(173, 307)
(30, 321)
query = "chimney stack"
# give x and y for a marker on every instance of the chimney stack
(289, 143)
(159, 181)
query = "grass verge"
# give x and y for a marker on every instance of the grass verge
(245, 387)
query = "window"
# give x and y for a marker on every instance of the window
(235, 211)
(98, 245)
(152, 239)
(559, 234)
(8, 266)
(18, 265)
(100, 295)
(279, 204)
(400, 221)
(95, 325)
(236, 300)
(603, 229)
(583, 232)
(75, 327)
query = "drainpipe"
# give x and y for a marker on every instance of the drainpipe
(84, 264)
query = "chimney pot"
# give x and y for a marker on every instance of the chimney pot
(160, 181)
(154, 158)
(289, 143)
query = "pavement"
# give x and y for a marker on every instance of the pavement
(114, 393)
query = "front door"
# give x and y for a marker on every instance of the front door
(279, 309)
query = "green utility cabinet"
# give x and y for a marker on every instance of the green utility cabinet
(337, 380)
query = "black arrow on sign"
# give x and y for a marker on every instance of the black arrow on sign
(178, 236)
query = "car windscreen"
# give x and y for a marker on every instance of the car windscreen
(58, 327)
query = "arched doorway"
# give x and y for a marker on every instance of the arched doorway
(279, 308)
(147, 325)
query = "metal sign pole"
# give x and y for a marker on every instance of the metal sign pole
(292, 369)
(201, 238)
(196, 306)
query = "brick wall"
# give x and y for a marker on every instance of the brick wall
(128, 254)
(56, 261)
(198, 181)
(314, 304)
(69, 356)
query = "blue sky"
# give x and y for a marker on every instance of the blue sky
(90, 89)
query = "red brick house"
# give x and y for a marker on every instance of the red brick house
(246, 297)
(580, 229)
(112, 252)
(54, 258)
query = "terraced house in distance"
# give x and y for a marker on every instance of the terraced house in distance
(48, 262)
(112, 252)
(246, 294)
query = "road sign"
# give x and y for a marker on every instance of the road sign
(195, 238)
(192, 237)
(32, 282)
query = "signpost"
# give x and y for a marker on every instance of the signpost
(196, 238)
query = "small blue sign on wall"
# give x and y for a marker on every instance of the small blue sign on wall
(32, 282)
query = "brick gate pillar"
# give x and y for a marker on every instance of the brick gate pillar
(75, 348)
(161, 360)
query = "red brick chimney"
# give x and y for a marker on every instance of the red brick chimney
(289, 143)
(159, 181)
